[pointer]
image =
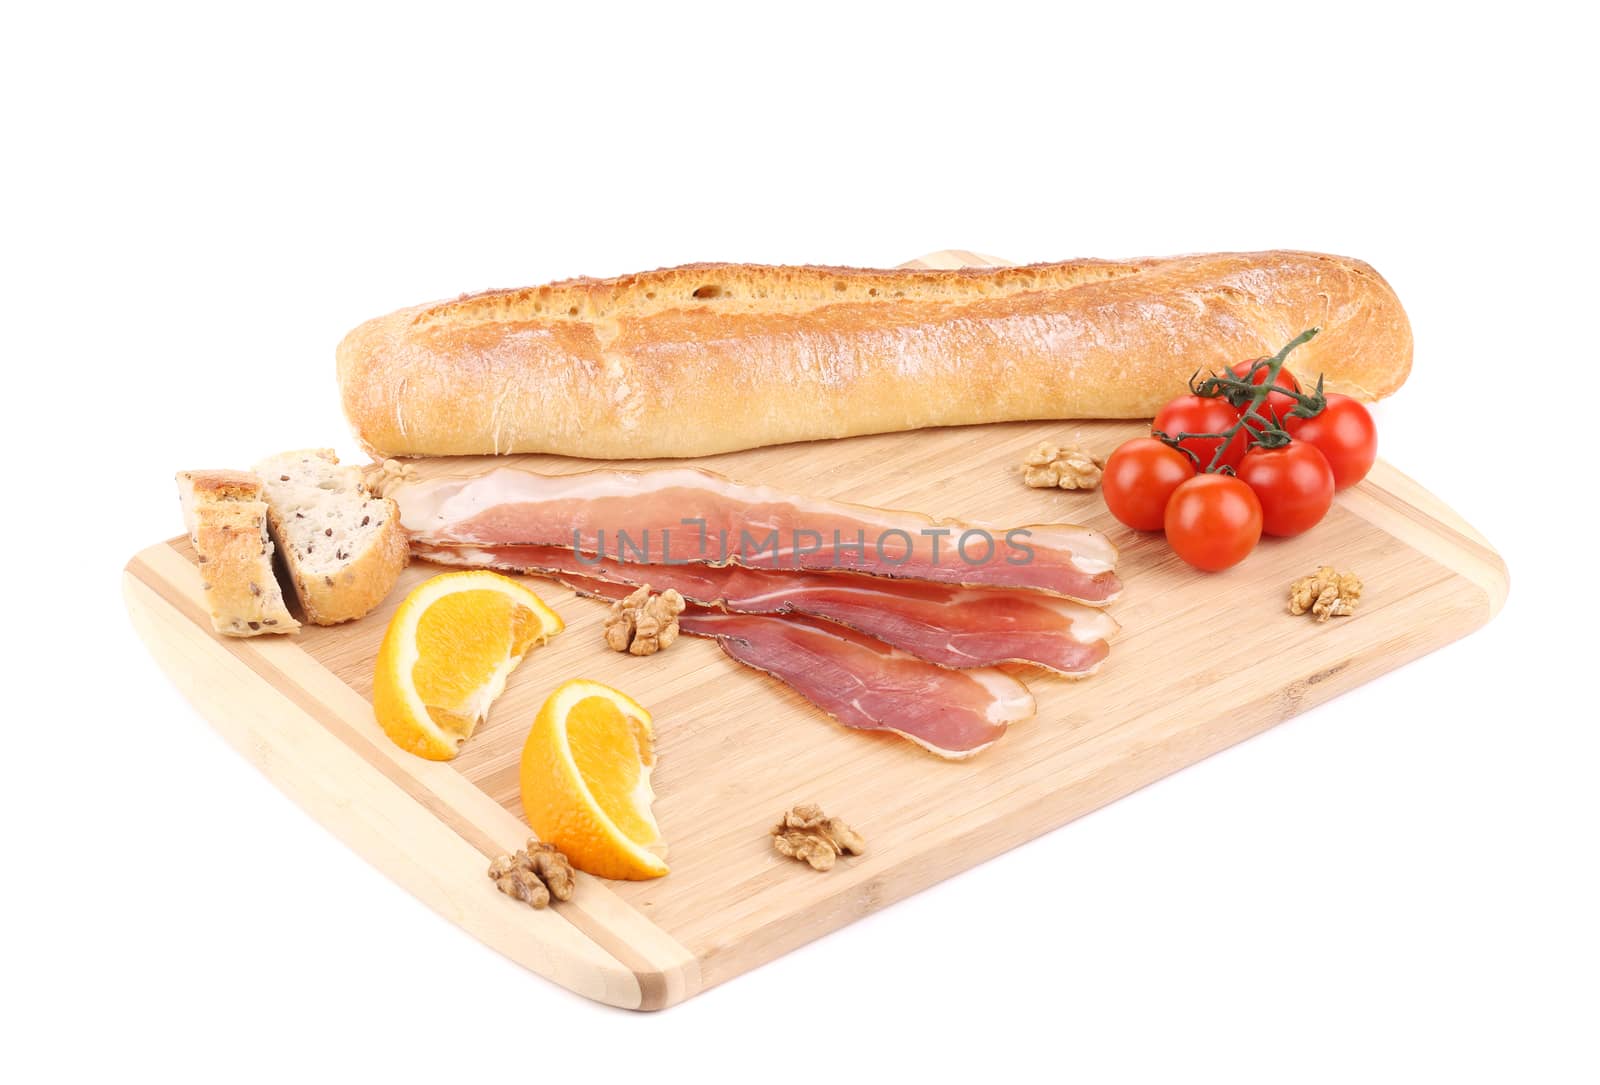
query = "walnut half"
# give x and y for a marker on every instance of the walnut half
(805, 833)
(643, 624)
(1065, 466)
(534, 875)
(1327, 593)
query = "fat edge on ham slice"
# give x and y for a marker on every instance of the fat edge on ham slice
(858, 680)
(941, 623)
(687, 514)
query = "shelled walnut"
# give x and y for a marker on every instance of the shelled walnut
(1327, 593)
(806, 834)
(643, 624)
(1065, 466)
(378, 478)
(534, 875)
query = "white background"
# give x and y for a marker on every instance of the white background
(1396, 887)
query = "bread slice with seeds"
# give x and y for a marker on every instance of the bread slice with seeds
(226, 517)
(343, 547)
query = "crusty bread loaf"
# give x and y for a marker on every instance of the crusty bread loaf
(226, 518)
(344, 548)
(715, 357)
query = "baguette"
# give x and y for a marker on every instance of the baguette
(343, 548)
(710, 358)
(226, 518)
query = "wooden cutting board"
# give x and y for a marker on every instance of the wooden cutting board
(736, 748)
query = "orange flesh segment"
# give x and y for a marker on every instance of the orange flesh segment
(461, 641)
(608, 750)
(526, 630)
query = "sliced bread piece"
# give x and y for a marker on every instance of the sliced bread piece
(227, 522)
(344, 548)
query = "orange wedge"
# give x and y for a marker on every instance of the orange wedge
(447, 654)
(586, 781)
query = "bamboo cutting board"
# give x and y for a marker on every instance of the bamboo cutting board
(735, 748)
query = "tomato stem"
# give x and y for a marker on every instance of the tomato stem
(1239, 391)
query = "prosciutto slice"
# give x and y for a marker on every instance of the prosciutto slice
(858, 680)
(686, 514)
(943, 624)
(865, 684)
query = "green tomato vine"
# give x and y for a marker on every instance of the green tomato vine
(1241, 391)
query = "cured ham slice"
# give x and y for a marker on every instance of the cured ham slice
(865, 684)
(862, 682)
(941, 623)
(685, 514)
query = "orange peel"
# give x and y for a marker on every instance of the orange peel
(586, 781)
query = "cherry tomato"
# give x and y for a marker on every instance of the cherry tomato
(1138, 479)
(1196, 414)
(1294, 485)
(1277, 404)
(1213, 521)
(1345, 435)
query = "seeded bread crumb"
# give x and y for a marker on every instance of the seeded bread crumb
(226, 518)
(343, 547)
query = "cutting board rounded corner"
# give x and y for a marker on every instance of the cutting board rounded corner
(1397, 503)
(355, 801)
(1496, 584)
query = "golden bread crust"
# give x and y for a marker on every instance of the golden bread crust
(710, 358)
(226, 518)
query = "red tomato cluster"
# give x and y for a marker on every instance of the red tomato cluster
(1214, 518)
